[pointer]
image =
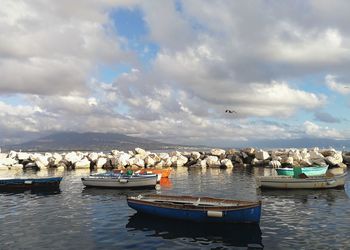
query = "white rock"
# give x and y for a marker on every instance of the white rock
(48, 155)
(140, 151)
(12, 154)
(123, 159)
(212, 161)
(296, 155)
(139, 162)
(3, 155)
(275, 164)
(261, 155)
(175, 153)
(217, 151)
(100, 162)
(57, 157)
(305, 162)
(73, 157)
(23, 156)
(8, 161)
(167, 163)
(41, 161)
(93, 156)
(149, 161)
(159, 165)
(164, 156)
(180, 161)
(115, 152)
(315, 155)
(227, 163)
(195, 155)
(257, 162)
(248, 151)
(82, 164)
(335, 159)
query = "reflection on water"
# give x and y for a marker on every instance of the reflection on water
(165, 183)
(38, 191)
(92, 191)
(75, 217)
(205, 234)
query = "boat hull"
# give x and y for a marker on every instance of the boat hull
(30, 183)
(247, 214)
(287, 182)
(124, 182)
(309, 171)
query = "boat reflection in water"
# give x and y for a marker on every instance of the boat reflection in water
(120, 193)
(165, 183)
(38, 192)
(238, 235)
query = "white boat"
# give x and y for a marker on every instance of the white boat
(289, 182)
(112, 180)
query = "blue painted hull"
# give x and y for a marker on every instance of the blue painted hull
(243, 215)
(29, 183)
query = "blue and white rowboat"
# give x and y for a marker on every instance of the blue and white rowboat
(30, 183)
(117, 180)
(198, 209)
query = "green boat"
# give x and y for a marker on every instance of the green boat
(309, 171)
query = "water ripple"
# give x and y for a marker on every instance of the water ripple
(77, 217)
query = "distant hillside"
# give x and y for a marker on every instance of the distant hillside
(65, 141)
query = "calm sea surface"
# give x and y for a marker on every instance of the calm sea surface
(79, 218)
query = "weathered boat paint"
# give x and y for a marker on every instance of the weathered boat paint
(198, 209)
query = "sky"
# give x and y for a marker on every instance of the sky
(168, 70)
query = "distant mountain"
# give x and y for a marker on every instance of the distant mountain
(66, 141)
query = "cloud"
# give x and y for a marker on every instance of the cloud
(326, 117)
(341, 88)
(314, 130)
(246, 58)
(52, 48)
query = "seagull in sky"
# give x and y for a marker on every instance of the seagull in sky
(230, 111)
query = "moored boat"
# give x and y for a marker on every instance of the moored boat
(309, 171)
(120, 180)
(289, 182)
(198, 209)
(30, 183)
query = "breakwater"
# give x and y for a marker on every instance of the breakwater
(140, 158)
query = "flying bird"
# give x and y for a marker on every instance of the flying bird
(230, 111)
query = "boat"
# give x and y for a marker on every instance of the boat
(30, 183)
(309, 171)
(289, 182)
(165, 172)
(197, 209)
(120, 180)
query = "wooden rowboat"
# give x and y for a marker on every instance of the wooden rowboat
(309, 171)
(289, 182)
(114, 180)
(30, 183)
(198, 209)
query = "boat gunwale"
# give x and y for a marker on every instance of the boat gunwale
(303, 168)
